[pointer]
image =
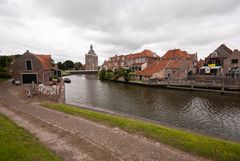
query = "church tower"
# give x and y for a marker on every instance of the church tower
(91, 59)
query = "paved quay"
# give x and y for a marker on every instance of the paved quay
(75, 138)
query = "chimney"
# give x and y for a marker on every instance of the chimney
(235, 50)
(27, 51)
(154, 54)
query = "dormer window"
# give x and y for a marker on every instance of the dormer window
(28, 64)
(214, 54)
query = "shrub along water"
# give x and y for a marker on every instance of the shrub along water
(115, 75)
(205, 146)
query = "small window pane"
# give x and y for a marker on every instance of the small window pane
(234, 61)
(29, 65)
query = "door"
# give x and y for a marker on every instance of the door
(29, 78)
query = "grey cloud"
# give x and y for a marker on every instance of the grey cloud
(119, 25)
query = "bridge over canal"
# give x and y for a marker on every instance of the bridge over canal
(82, 71)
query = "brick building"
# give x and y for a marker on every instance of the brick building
(174, 65)
(139, 61)
(232, 64)
(135, 62)
(214, 63)
(29, 67)
(91, 60)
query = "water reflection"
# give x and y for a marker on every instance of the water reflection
(208, 113)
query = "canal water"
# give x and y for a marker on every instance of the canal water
(200, 112)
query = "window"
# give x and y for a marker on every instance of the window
(28, 64)
(214, 54)
(234, 61)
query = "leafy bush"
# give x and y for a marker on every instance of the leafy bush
(115, 75)
(102, 74)
(3, 69)
(5, 75)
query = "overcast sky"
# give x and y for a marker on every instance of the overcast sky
(66, 28)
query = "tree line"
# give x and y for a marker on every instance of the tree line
(5, 62)
(70, 65)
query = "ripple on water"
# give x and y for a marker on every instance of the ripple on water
(207, 113)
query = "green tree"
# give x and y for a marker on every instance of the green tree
(109, 75)
(102, 74)
(61, 66)
(127, 75)
(119, 73)
(5, 61)
(68, 64)
(78, 66)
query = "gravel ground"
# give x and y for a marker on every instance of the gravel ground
(75, 138)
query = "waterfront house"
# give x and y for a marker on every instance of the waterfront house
(178, 54)
(139, 61)
(154, 71)
(174, 65)
(134, 62)
(214, 63)
(115, 62)
(232, 64)
(31, 67)
(167, 69)
(179, 69)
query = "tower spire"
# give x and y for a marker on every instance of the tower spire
(91, 47)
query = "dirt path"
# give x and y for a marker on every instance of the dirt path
(74, 138)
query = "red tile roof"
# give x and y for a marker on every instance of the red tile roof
(154, 68)
(137, 64)
(174, 64)
(176, 54)
(144, 53)
(45, 61)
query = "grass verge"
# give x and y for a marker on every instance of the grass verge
(18, 144)
(201, 145)
(65, 73)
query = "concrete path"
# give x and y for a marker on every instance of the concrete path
(74, 138)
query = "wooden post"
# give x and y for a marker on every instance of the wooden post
(191, 84)
(222, 85)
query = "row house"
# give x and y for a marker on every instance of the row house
(115, 62)
(214, 63)
(139, 61)
(134, 62)
(232, 64)
(167, 69)
(177, 54)
(174, 65)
